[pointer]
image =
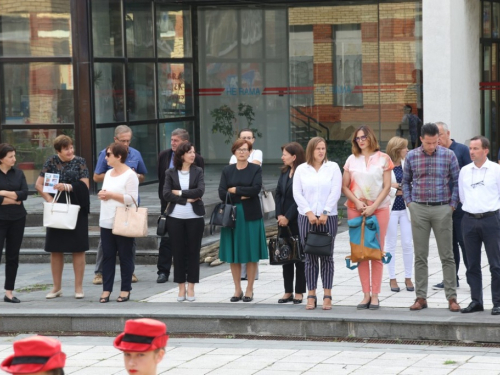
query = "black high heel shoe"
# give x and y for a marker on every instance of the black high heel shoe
(285, 300)
(123, 299)
(104, 299)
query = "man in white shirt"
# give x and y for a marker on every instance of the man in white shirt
(479, 189)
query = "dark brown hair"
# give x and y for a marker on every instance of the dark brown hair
(311, 146)
(485, 143)
(5, 148)
(240, 142)
(182, 149)
(370, 135)
(62, 141)
(118, 150)
(294, 148)
(246, 130)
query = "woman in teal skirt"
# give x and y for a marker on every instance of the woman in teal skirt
(246, 243)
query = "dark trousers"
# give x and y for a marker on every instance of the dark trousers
(458, 239)
(300, 277)
(476, 232)
(185, 238)
(11, 233)
(164, 256)
(111, 245)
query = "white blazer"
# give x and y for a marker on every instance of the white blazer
(393, 191)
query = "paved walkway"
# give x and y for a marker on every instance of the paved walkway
(97, 356)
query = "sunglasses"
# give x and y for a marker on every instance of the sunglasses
(362, 138)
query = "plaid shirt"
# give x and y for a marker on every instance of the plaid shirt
(426, 177)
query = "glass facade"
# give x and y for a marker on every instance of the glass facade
(290, 72)
(490, 83)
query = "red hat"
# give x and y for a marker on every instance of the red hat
(142, 335)
(34, 354)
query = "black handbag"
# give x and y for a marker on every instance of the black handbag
(161, 229)
(318, 243)
(284, 250)
(223, 215)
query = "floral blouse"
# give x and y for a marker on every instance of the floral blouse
(69, 172)
(367, 181)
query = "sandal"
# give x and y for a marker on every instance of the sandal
(104, 299)
(123, 299)
(327, 307)
(310, 306)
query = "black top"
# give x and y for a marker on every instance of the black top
(196, 189)
(69, 172)
(164, 159)
(248, 183)
(14, 180)
(285, 204)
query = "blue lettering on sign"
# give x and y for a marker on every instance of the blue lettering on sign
(242, 91)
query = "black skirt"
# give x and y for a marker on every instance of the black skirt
(69, 241)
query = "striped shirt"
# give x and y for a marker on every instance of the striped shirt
(426, 177)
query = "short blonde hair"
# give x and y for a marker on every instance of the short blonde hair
(370, 135)
(394, 148)
(311, 146)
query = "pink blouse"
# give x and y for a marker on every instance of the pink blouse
(367, 180)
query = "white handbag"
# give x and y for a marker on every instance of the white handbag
(131, 221)
(268, 204)
(60, 215)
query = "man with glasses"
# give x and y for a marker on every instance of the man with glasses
(123, 135)
(463, 157)
(428, 170)
(479, 188)
(166, 161)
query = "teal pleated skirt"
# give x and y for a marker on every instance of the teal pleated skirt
(245, 243)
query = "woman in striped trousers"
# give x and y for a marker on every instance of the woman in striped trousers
(316, 189)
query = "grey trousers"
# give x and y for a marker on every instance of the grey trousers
(439, 219)
(99, 257)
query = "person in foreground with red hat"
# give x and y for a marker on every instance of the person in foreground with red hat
(37, 355)
(143, 345)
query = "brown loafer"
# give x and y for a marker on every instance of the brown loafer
(453, 305)
(420, 303)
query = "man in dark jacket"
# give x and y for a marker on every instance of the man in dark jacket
(166, 161)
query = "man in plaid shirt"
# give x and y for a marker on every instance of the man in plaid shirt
(426, 191)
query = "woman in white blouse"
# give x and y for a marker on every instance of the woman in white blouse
(183, 189)
(316, 190)
(120, 188)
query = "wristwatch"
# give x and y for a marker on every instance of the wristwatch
(325, 212)
(180, 193)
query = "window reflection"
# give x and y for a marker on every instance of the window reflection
(107, 28)
(37, 93)
(173, 28)
(43, 33)
(175, 95)
(108, 89)
(140, 91)
(139, 29)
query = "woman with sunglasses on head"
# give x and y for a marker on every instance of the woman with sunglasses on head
(246, 242)
(397, 148)
(119, 189)
(366, 184)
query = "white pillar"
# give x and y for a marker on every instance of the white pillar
(451, 65)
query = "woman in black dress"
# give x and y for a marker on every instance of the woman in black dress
(73, 178)
(286, 213)
(13, 191)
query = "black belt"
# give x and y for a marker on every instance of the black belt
(484, 214)
(433, 203)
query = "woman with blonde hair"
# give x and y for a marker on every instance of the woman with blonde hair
(397, 148)
(366, 184)
(316, 190)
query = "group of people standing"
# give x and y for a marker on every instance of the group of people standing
(419, 190)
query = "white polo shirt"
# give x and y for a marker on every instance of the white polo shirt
(479, 188)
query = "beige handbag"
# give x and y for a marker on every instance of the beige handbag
(131, 221)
